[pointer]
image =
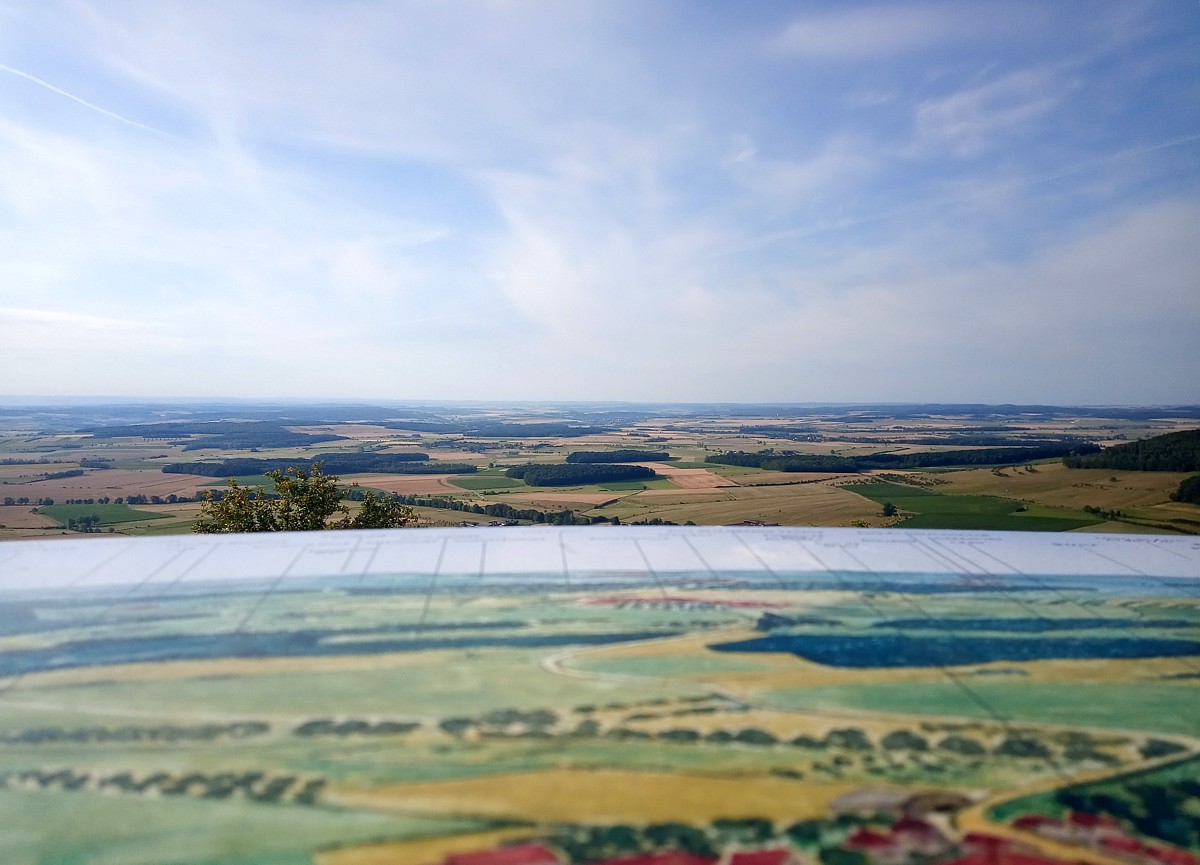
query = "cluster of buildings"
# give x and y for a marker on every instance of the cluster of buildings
(1105, 835)
(538, 854)
(908, 841)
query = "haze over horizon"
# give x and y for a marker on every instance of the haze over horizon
(687, 202)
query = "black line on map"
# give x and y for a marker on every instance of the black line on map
(712, 573)
(96, 567)
(562, 552)
(1182, 585)
(350, 555)
(761, 561)
(971, 694)
(650, 568)
(437, 568)
(268, 591)
(366, 568)
(105, 611)
(1100, 609)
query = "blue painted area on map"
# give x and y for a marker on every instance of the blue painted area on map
(900, 650)
(313, 643)
(1033, 625)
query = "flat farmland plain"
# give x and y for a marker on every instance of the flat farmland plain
(792, 505)
(115, 482)
(1055, 484)
(688, 487)
(407, 484)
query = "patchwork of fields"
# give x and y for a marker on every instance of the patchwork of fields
(400, 714)
(462, 469)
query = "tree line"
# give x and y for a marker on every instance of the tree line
(621, 456)
(1173, 452)
(1155, 807)
(500, 509)
(237, 435)
(255, 786)
(790, 461)
(1189, 491)
(409, 463)
(499, 429)
(164, 733)
(567, 475)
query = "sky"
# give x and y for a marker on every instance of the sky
(697, 201)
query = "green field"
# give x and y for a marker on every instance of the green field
(486, 482)
(82, 827)
(109, 514)
(1140, 706)
(459, 683)
(931, 510)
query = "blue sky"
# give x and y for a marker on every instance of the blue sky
(902, 201)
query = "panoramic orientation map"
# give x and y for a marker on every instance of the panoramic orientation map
(604, 432)
(590, 696)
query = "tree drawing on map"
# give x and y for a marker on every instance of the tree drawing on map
(769, 697)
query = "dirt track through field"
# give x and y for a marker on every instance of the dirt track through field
(412, 485)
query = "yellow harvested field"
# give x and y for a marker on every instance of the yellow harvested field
(427, 851)
(678, 496)
(689, 479)
(793, 505)
(579, 795)
(565, 498)
(229, 667)
(118, 482)
(770, 478)
(11, 472)
(1055, 484)
(407, 484)
(23, 517)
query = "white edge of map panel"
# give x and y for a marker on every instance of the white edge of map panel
(613, 551)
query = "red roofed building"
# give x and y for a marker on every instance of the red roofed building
(777, 856)
(880, 847)
(1048, 827)
(1122, 844)
(918, 836)
(1035, 822)
(1169, 855)
(671, 857)
(517, 854)
(1092, 827)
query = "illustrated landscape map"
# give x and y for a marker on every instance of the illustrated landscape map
(634, 695)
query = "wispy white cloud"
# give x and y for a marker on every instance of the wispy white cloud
(72, 319)
(592, 199)
(880, 30)
(89, 105)
(970, 121)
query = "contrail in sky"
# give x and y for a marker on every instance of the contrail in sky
(883, 215)
(83, 102)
